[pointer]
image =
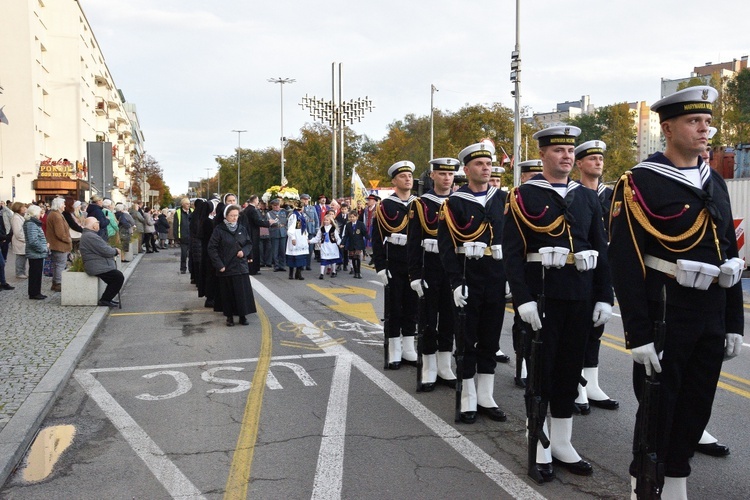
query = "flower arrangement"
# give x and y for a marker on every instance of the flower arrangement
(282, 192)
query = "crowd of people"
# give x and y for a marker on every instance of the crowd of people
(452, 258)
(672, 258)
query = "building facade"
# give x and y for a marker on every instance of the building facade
(58, 95)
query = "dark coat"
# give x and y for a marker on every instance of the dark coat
(253, 219)
(94, 210)
(354, 236)
(223, 248)
(162, 225)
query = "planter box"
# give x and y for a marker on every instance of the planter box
(130, 254)
(80, 289)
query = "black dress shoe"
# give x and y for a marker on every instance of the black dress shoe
(230, 321)
(468, 417)
(581, 408)
(428, 387)
(38, 297)
(606, 404)
(546, 471)
(244, 321)
(713, 449)
(208, 303)
(503, 358)
(6, 286)
(320, 277)
(580, 468)
(449, 383)
(408, 363)
(107, 303)
(520, 382)
(182, 271)
(492, 413)
(394, 365)
(308, 268)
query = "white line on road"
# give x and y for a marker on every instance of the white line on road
(498, 473)
(166, 472)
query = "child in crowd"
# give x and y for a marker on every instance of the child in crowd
(329, 240)
(353, 242)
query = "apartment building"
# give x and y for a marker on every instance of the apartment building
(58, 96)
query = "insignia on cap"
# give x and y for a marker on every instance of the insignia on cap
(567, 130)
(704, 94)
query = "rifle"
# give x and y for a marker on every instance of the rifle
(386, 308)
(536, 405)
(460, 339)
(649, 470)
(421, 328)
(519, 344)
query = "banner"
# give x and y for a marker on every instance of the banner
(359, 191)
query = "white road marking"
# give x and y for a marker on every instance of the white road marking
(183, 385)
(333, 449)
(167, 473)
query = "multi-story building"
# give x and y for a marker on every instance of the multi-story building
(563, 113)
(59, 95)
(648, 131)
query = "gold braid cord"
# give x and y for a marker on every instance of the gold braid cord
(549, 229)
(456, 233)
(633, 210)
(383, 222)
(421, 207)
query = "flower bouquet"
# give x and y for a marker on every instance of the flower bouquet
(281, 192)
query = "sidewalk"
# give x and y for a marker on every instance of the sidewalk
(40, 345)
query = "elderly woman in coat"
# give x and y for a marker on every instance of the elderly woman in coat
(60, 242)
(228, 249)
(36, 251)
(99, 260)
(18, 241)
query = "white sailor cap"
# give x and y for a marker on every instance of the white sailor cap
(399, 167)
(444, 164)
(530, 166)
(564, 134)
(460, 176)
(712, 132)
(687, 101)
(590, 148)
(484, 149)
(497, 171)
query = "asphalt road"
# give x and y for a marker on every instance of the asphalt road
(169, 402)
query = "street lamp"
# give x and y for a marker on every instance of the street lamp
(238, 162)
(281, 82)
(515, 78)
(218, 174)
(433, 89)
(208, 183)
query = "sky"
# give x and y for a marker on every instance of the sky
(197, 70)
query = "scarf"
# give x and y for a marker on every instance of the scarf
(231, 225)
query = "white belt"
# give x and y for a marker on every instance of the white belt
(461, 250)
(661, 265)
(537, 257)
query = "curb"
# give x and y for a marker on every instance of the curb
(20, 431)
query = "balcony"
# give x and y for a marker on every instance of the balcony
(101, 107)
(112, 125)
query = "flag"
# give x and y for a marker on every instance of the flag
(359, 191)
(506, 158)
(3, 118)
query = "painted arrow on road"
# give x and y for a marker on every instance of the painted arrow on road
(360, 310)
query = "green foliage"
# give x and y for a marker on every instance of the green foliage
(615, 126)
(77, 265)
(737, 115)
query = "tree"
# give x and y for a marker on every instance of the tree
(145, 169)
(737, 114)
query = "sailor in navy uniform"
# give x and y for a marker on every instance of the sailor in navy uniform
(428, 277)
(671, 227)
(590, 164)
(708, 444)
(469, 238)
(496, 180)
(529, 169)
(389, 238)
(555, 245)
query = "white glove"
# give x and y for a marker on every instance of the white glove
(733, 347)
(460, 296)
(602, 313)
(416, 285)
(646, 356)
(530, 314)
(384, 275)
(508, 295)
